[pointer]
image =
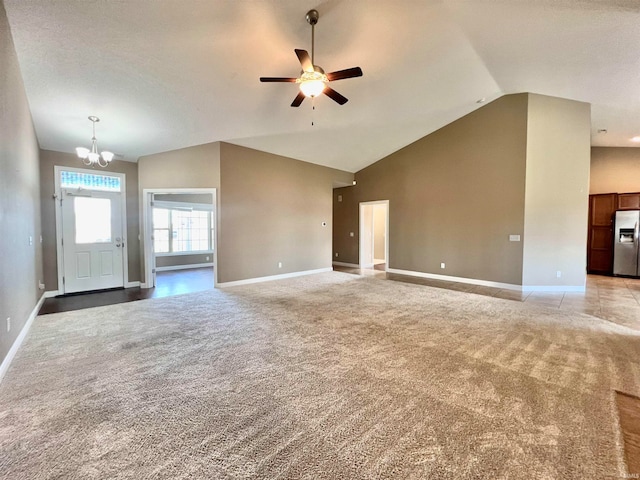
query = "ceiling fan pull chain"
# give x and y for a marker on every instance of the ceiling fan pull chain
(313, 109)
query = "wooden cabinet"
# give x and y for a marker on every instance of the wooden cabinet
(600, 240)
(629, 201)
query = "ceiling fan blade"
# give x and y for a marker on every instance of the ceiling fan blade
(305, 60)
(342, 74)
(298, 100)
(277, 79)
(335, 96)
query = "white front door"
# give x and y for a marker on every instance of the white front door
(92, 240)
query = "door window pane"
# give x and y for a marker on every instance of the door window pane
(93, 219)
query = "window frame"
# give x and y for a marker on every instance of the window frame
(182, 206)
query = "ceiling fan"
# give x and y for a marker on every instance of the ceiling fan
(313, 81)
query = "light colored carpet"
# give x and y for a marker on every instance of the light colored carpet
(330, 376)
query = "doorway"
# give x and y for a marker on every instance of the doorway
(374, 234)
(180, 231)
(90, 230)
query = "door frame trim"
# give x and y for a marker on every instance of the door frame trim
(361, 232)
(147, 229)
(58, 214)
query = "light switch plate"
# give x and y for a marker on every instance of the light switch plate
(514, 238)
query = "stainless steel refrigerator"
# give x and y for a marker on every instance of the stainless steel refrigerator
(626, 257)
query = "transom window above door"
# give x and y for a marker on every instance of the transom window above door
(89, 181)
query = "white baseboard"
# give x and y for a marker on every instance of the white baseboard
(472, 281)
(4, 367)
(486, 283)
(184, 267)
(343, 264)
(272, 277)
(132, 284)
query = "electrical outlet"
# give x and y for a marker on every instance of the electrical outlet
(279, 264)
(336, 254)
(8, 324)
(207, 258)
(40, 285)
(351, 234)
(559, 274)
(442, 265)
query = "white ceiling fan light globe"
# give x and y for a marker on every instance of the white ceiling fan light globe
(312, 88)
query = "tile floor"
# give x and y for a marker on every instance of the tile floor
(615, 299)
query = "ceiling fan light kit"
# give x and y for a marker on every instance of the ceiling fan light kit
(92, 157)
(313, 81)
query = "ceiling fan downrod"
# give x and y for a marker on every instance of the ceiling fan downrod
(312, 18)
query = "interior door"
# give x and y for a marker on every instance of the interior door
(600, 237)
(92, 240)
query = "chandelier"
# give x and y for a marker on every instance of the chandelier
(91, 157)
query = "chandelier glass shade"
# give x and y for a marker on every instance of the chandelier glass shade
(91, 157)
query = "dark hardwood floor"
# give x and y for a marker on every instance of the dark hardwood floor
(629, 410)
(168, 283)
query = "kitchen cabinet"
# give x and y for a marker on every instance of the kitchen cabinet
(629, 201)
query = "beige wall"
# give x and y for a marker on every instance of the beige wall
(271, 210)
(191, 167)
(20, 261)
(202, 198)
(183, 260)
(454, 197)
(48, 160)
(557, 190)
(614, 170)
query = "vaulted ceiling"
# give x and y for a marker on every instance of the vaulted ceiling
(168, 74)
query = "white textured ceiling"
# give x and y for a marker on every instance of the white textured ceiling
(168, 74)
